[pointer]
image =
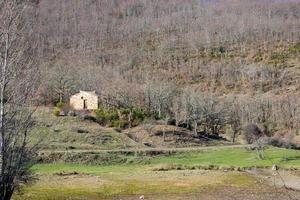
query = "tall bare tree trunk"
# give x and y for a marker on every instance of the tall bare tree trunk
(16, 81)
(195, 127)
(3, 80)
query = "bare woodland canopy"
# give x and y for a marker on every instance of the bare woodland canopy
(167, 55)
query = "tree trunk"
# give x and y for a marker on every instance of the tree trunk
(6, 192)
(195, 127)
(130, 118)
(234, 136)
(159, 112)
(2, 134)
(60, 97)
(16, 81)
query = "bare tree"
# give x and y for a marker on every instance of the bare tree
(159, 93)
(126, 96)
(16, 83)
(201, 111)
(60, 81)
(254, 135)
(192, 105)
(214, 114)
(234, 118)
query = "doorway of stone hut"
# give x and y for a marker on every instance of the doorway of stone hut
(84, 104)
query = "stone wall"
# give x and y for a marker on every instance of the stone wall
(77, 100)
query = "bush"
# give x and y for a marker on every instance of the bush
(106, 116)
(60, 105)
(110, 117)
(268, 128)
(119, 124)
(139, 115)
(278, 58)
(280, 142)
(56, 111)
(252, 133)
(157, 117)
(295, 49)
(124, 111)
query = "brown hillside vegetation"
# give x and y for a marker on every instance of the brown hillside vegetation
(196, 62)
(164, 136)
(220, 45)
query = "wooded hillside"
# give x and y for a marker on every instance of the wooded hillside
(195, 61)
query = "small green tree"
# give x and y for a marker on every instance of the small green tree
(106, 116)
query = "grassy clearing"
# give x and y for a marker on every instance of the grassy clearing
(110, 186)
(86, 169)
(234, 158)
(113, 180)
(207, 159)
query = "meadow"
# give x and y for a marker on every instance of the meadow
(182, 173)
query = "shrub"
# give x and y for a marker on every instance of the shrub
(295, 49)
(139, 115)
(60, 105)
(119, 124)
(268, 128)
(278, 58)
(280, 142)
(252, 133)
(157, 117)
(56, 111)
(106, 116)
(124, 111)
(110, 116)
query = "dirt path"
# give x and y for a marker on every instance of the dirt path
(146, 149)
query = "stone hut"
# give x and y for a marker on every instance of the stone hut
(84, 100)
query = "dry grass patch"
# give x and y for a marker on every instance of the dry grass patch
(50, 186)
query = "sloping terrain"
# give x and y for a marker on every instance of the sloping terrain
(76, 132)
(167, 136)
(68, 132)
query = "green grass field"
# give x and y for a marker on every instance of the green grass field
(219, 158)
(235, 158)
(111, 185)
(175, 174)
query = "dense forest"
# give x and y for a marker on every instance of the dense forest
(197, 62)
